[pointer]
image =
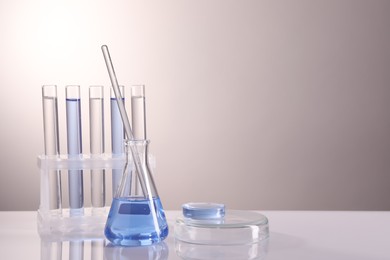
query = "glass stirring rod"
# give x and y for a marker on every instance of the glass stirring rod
(133, 148)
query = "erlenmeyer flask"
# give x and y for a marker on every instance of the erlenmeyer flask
(136, 216)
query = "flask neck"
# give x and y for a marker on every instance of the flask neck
(140, 147)
(137, 180)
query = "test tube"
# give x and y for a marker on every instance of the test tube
(97, 249)
(117, 137)
(138, 123)
(96, 126)
(76, 250)
(138, 112)
(51, 250)
(52, 145)
(73, 120)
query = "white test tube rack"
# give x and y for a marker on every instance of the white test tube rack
(59, 224)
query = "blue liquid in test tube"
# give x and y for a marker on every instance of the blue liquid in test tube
(73, 120)
(117, 138)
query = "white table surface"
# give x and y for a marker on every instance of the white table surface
(293, 235)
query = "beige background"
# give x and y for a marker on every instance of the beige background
(257, 104)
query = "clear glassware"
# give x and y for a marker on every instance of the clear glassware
(117, 137)
(74, 132)
(52, 144)
(136, 217)
(96, 130)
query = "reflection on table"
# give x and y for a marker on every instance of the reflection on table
(103, 250)
(99, 250)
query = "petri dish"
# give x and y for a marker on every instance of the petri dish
(238, 235)
(237, 227)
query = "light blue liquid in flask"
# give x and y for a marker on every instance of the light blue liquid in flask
(136, 216)
(131, 222)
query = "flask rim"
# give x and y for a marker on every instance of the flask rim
(128, 142)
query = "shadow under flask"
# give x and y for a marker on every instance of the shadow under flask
(136, 217)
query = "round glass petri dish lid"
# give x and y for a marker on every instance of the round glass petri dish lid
(236, 227)
(203, 210)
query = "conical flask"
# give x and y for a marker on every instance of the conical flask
(136, 216)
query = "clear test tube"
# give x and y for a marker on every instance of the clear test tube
(97, 249)
(76, 250)
(73, 124)
(138, 112)
(96, 127)
(117, 137)
(51, 250)
(138, 123)
(52, 145)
